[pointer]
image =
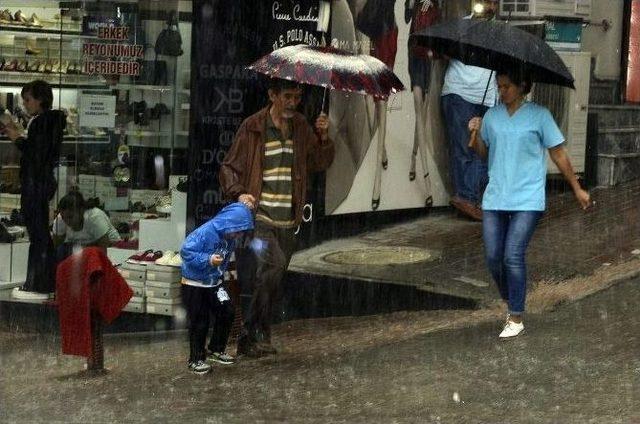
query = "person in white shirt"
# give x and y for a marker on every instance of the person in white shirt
(80, 225)
(468, 91)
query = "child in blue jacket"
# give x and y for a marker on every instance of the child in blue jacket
(205, 256)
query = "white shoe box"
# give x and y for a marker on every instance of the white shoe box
(13, 261)
(137, 286)
(133, 274)
(163, 309)
(154, 292)
(163, 285)
(171, 275)
(136, 304)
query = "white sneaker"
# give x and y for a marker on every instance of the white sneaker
(166, 258)
(175, 261)
(511, 329)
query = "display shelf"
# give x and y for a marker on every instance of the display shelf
(62, 80)
(142, 134)
(9, 29)
(72, 139)
(167, 88)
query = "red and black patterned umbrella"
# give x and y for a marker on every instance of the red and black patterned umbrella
(330, 68)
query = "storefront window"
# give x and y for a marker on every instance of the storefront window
(119, 73)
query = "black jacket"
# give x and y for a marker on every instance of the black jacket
(41, 151)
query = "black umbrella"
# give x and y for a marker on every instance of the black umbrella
(497, 46)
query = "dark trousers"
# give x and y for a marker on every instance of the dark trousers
(202, 304)
(260, 273)
(41, 268)
(468, 170)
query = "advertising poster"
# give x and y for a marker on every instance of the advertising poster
(390, 155)
(228, 35)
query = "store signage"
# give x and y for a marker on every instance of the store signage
(97, 111)
(111, 54)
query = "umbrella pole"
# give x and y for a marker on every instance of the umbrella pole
(324, 97)
(474, 134)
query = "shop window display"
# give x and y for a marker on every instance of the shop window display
(126, 105)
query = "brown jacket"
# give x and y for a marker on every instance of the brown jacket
(241, 170)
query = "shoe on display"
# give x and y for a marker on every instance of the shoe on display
(31, 46)
(34, 21)
(175, 261)
(5, 17)
(20, 18)
(166, 258)
(137, 258)
(11, 66)
(22, 66)
(19, 293)
(5, 235)
(33, 66)
(221, 358)
(199, 367)
(511, 329)
(163, 204)
(151, 258)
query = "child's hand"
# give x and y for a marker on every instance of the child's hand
(215, 259)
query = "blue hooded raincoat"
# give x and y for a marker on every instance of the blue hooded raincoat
(208, 239)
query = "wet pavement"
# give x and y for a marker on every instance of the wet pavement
(448, 249)
(577, 364)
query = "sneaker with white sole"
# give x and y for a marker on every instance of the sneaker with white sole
(166, 258)
(221, 358)
(199, 367)
(18, 293)
(175, 261)
(511, 329)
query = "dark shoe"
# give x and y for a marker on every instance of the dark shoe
(266, 347)
(248, 348)
(467, 208)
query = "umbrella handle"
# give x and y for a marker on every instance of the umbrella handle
(473, 140)
(324, 96)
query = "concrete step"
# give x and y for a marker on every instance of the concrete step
(619, 140)
(618, 168)
(616, 116)
(604, 93)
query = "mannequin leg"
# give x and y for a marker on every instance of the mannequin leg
(381, 112)
(424, 151)
(418, 134)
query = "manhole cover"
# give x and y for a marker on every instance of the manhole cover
(384, 255)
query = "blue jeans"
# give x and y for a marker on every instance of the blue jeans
(506, 237)
(468, 170)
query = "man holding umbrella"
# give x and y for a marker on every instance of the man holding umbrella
(468, 91)
(267, 167)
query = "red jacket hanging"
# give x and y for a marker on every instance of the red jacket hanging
(85, 282)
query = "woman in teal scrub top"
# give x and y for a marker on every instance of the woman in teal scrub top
(514, 137)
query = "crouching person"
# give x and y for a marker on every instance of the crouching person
(205, 256)
(80, 224)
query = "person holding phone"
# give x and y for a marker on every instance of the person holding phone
(39, 145)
